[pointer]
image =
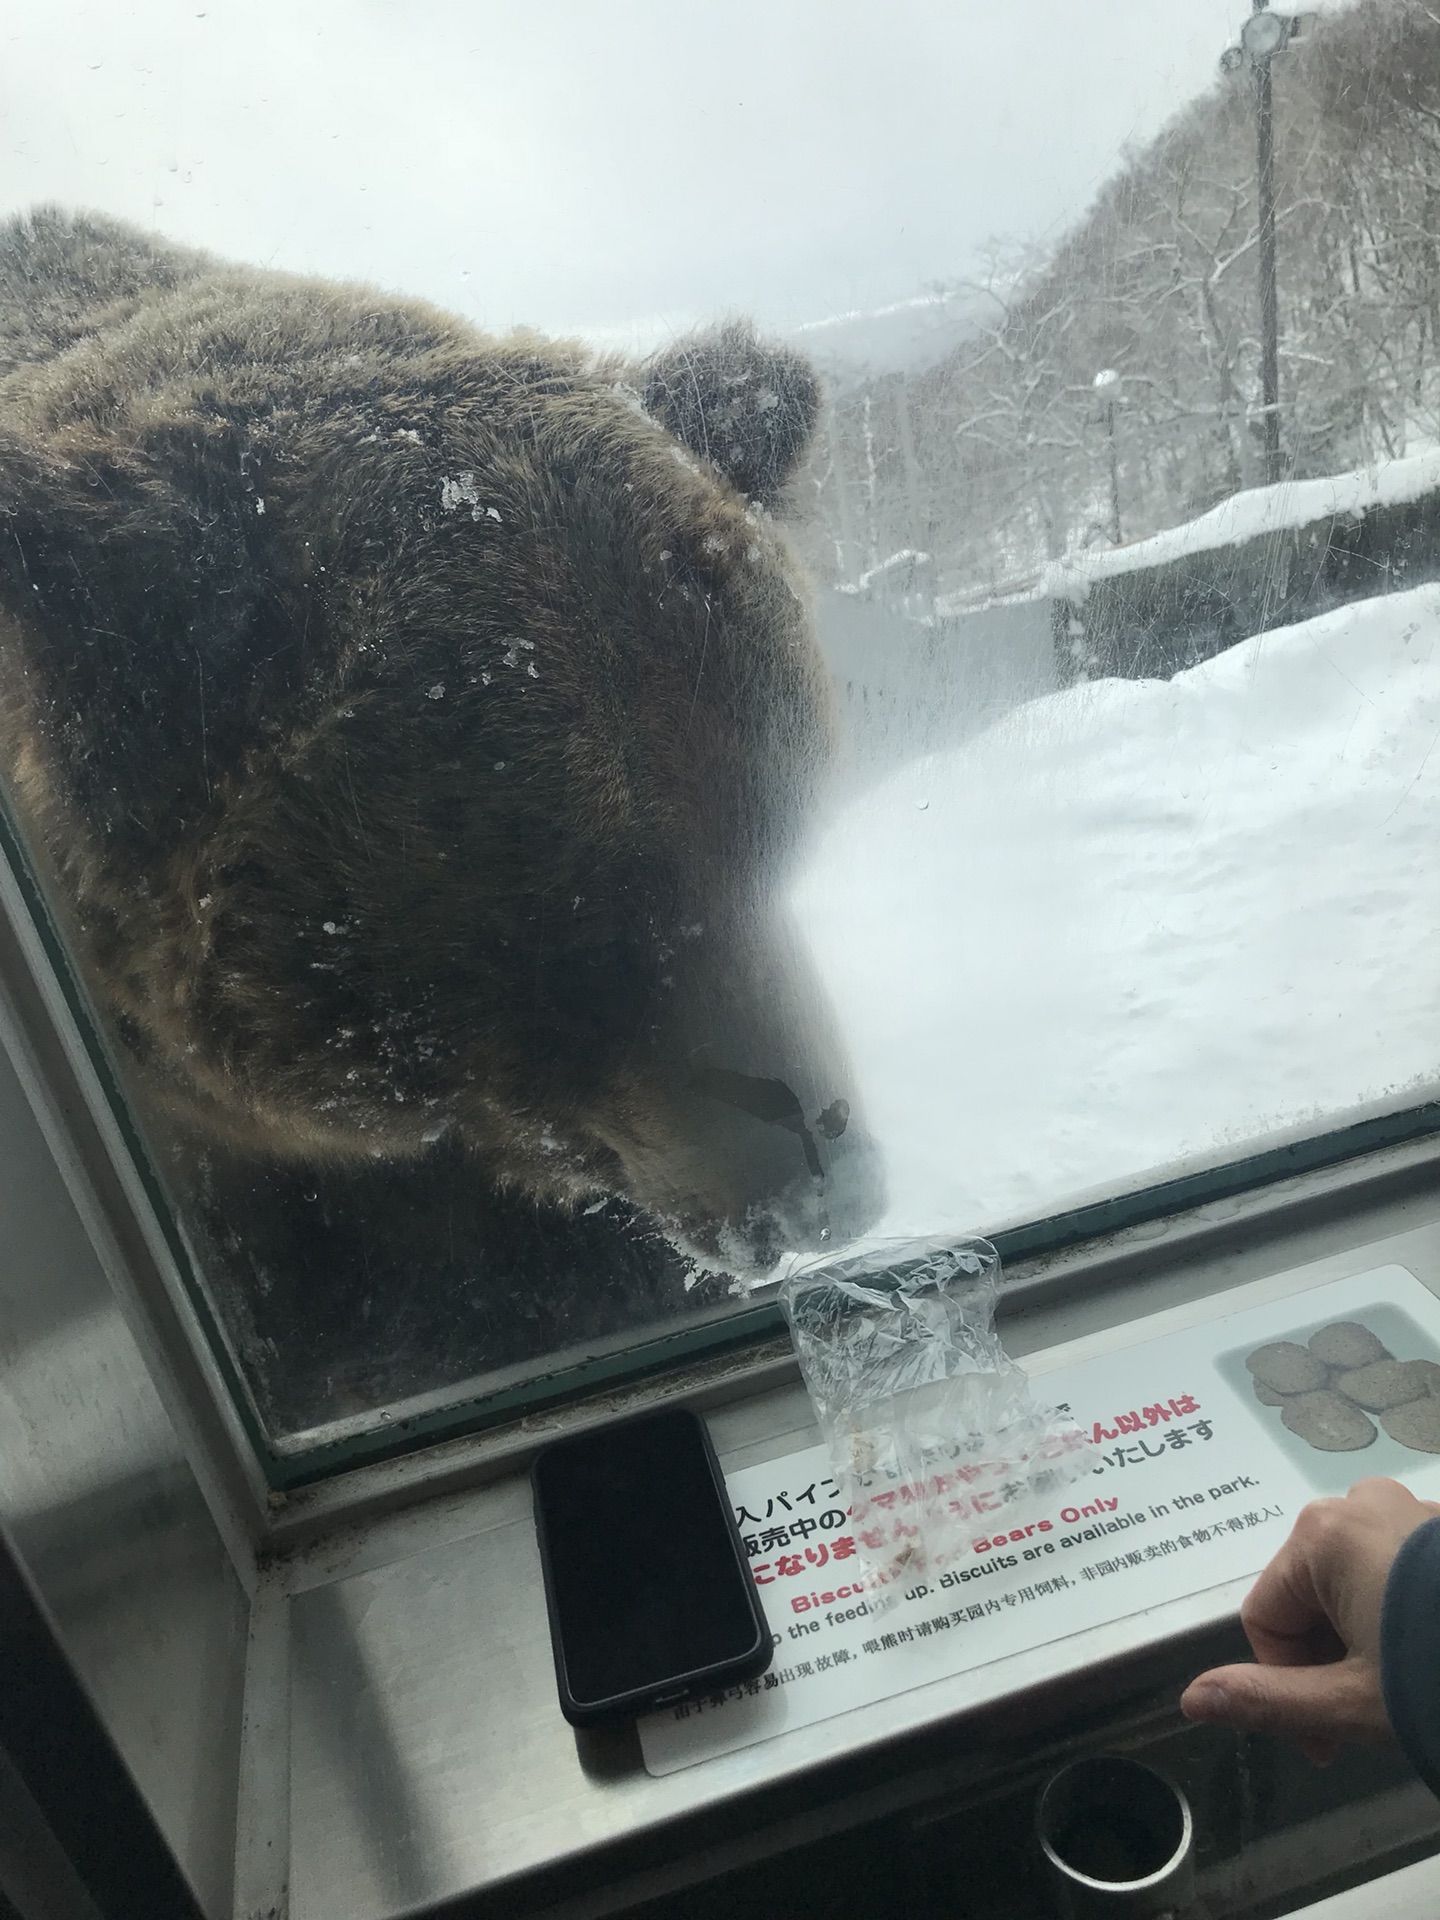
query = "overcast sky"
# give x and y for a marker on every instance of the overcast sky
(592, 168)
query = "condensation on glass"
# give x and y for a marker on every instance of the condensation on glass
(840, 726)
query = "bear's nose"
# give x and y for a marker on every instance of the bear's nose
(771, 1101)
(830, 1211)
(837, 1187)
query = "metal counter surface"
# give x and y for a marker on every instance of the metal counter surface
(428, 1755)
(106, 1516)
(1411, 1894)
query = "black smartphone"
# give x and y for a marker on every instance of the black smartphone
(649, 1591)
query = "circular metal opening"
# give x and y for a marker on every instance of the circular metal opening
(1113, 1824)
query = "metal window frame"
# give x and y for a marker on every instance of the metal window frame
(68, 1854)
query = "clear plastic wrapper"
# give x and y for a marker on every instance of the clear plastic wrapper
(934, 1434)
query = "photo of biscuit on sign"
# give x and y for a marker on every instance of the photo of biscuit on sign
(1351, 1396)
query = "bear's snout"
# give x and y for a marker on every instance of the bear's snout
(837, 1193)
(742, 1129)
(737, 1189)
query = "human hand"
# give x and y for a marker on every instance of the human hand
(1313, 1621)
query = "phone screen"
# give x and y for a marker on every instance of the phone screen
(646, 1579)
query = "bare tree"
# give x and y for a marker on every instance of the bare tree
(998, 458)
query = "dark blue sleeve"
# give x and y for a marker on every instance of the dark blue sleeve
(1410, 1651)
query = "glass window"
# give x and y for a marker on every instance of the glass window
(638, 645)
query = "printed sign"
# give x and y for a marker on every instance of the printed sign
(1210, 1441)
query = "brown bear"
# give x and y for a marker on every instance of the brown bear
(410, 730)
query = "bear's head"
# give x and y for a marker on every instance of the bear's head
(418, 729)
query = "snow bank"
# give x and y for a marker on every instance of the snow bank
(1139, 920)
(1247, 516)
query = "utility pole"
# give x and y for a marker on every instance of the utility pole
(1107, 390)
(1269, 318)
(1261, 38)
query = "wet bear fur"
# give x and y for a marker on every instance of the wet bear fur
(406, 727)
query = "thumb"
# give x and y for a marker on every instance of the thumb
(1339, 1700)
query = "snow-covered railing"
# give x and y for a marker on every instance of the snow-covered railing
(1252, 515)
(1262, 559)
(905, 563)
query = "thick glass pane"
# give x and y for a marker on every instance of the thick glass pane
(635, 645)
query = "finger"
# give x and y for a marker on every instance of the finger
(1320, 1646)
(1282, 1614)
(1203, 1701)
(1380, 1488)
(1340, 1701)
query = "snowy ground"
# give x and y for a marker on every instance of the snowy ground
(1136, 921)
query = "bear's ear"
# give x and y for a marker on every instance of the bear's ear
(748, 407)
